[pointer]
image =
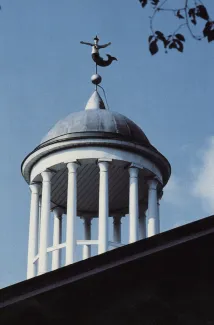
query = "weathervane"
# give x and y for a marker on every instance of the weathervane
(96, 78)
(95, 53)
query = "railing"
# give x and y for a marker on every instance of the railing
(86, 244)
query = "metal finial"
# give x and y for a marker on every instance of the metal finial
(96, 79)
(95, 102)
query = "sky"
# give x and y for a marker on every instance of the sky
(45, 75)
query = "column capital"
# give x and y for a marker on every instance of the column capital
(35, 188)
(72, 166)
(103, 164)
(152, 183)
(47, 175)
(133, 171)
(58, 211)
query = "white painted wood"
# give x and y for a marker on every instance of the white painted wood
(89, 151)
(158, 217)
(36, 258)
(133, 204)
(57, 237)
(62, 245)
(39, 222)
(103, 207)
(88, 242)
(70, 256)
(53, 248)
(152, 208)
(87, 236)
(93, 152)
(44, 226)
(33, 229)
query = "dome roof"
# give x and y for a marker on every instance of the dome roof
(99, 126)
(96, 123)
(102, 123)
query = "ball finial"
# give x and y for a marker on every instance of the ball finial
(96, 79)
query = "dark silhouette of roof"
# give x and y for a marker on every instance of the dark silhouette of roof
(164, 279)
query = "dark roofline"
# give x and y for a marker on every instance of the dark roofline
(110, 260)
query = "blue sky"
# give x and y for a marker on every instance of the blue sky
(45, 75)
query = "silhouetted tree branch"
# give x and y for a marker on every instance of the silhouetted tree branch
(188, 15)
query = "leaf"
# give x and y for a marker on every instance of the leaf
(209, 31)
(166, 43)
(178, 14)
(160, 36)
(159, 33)
(153, 47)
(191, 12)
(172, 45)
(179, 45)
(192, 15)
(207, 28)
(150, 38)
(201, 12)
(180, 37)
(155, 2)
(143, 3)
(193, 20)
(210, 36)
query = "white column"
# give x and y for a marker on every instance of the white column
(39, 223)
(158, 216)
(44, 225)
(142, 223)
(87, 236)
(152, 208)
(117, 229)
(57, 237)
(33, 229)
(103, 207)
(70, 255)
(133, 204)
